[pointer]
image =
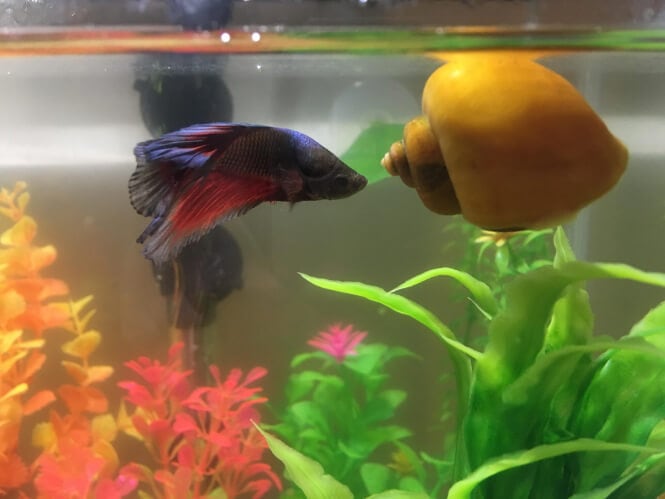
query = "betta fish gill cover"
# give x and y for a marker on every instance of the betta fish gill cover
(332, 250)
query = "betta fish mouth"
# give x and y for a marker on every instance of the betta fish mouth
(344, 186)
(335, 186)
(358, 182)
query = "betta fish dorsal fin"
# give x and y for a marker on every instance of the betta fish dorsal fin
(163, 165)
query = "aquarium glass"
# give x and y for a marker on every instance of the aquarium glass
(329, 348)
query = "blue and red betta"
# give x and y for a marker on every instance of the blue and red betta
(193, 179)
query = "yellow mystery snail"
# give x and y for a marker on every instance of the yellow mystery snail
(507, 143)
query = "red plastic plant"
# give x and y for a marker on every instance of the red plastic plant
(202, 440)
(78, 459)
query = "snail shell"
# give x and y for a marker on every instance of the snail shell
(424, 168)
(506, 142)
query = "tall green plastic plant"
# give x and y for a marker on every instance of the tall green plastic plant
(548, 409)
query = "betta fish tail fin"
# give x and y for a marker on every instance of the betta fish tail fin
(151, 194)
(163, 163)
(186, 184)
(159, 244)
(149, 190)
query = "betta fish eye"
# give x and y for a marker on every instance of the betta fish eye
(315, 164)
(341, 181)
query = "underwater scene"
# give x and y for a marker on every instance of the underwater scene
(329, 264)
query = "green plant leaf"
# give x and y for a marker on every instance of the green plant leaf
(516, 335)
(365, 153)
(382, 407)
(546, 367)
(365, 440)
(657, 436)
(532, 235)
(623, 400)
(652, 326)
(399, 494)
(393, 398)
(622, 403)
(516, 339)
(375, 477)
(411, 484)
(572, 320)
(301, 384)
(398, 304)
(464, 488)
(308, 415)
(298, 386)
(369, 359)
(481, 293)
(304, 357)
(644, 480)
(647, 481)
(306, 473)
(413, 459)
(583, 271)
(604, 492)
(563, 250)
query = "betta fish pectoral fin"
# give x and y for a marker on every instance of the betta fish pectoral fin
(292, 183)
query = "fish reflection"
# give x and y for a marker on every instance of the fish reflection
(173, 99)
(200, 14)
(200, 277)
(208, 271)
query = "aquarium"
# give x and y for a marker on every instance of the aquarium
(335, 336)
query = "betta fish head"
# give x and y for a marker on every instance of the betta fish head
(324, 175)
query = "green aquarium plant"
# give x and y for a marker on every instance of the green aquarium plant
(548, 408)
(495, 258)
(339, 406)
(369, 145)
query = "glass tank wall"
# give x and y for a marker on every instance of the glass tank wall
(275, 354)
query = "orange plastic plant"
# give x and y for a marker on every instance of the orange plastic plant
(26, 311)
(202, 438)
(77, 457)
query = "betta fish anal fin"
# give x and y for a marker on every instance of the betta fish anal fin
(206, 203)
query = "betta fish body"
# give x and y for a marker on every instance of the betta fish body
(191, 180)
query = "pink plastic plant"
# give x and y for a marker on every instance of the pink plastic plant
(338, 342)
(202, 440)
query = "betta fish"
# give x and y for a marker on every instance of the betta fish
(191, 180)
